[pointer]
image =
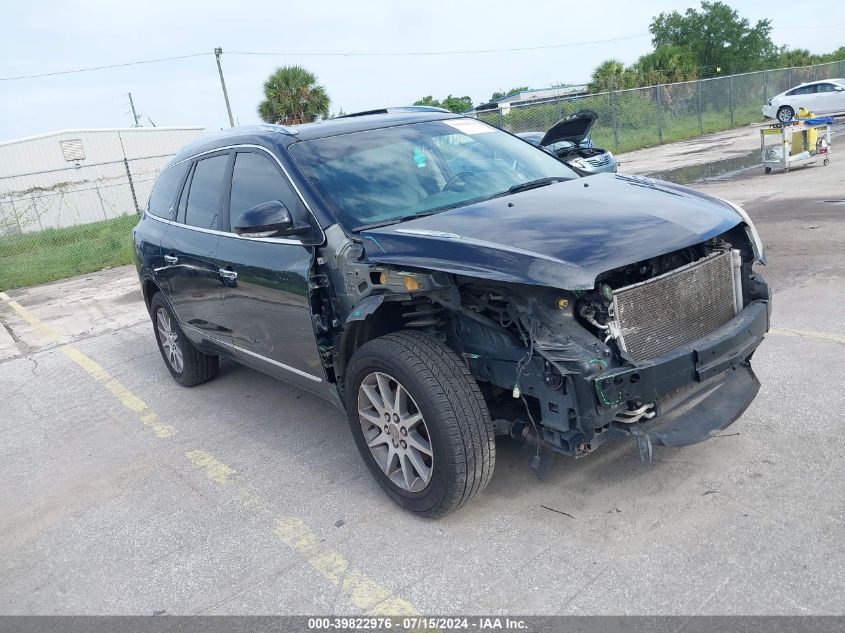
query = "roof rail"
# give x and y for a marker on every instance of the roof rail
(395, 109)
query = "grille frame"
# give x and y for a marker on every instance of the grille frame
(658, 315)
(599, 161)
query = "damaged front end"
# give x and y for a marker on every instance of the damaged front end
(658, 350)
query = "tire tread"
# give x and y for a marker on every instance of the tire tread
(198, 366)
(456, 395)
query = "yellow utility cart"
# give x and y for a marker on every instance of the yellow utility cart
(798, 142)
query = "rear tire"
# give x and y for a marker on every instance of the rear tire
(188, 366)
(444, 405)
(785, 114)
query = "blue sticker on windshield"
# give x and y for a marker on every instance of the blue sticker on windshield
(419, 157)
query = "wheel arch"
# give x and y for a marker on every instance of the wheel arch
(149, 288)
(373, 321)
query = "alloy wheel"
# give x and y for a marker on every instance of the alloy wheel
(395, 432)
(169, 340)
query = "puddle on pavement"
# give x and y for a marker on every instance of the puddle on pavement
(709, 171)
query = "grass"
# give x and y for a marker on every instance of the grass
(36, 258)
(678, 128)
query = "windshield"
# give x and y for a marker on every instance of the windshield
(386, 175)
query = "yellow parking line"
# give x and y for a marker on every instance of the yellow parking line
(215, 470)
(363, 592)
(334, 567)
(822, 336)
(95, 370)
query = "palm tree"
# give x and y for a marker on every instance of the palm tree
(292, 96)
(665, 64)
(611, 74)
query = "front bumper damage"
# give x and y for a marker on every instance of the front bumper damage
(699, 389)
(689, 394)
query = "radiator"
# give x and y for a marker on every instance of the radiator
(660, 314)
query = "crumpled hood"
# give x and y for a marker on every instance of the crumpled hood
(562, 235)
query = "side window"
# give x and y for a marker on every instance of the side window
(802, 90)
(161, 202)
(205, 194)
(826, 87)
(256, 179)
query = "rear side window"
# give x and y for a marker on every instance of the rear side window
(826, 87)
(802, 90)
(162, 199)
(256, 179)
(205, 195)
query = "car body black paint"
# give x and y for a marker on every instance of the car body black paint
(562, 235)
(298, 307)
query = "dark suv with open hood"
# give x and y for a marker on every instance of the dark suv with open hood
(443, 282)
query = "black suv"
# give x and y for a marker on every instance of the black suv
(443, 282)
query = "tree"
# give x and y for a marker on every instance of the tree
(666, 64)
(611, 74)
(292, 96)
(428, 100)
(512, 91)
(716, 37)
(795, 57)
(454, 104)
(836, 55)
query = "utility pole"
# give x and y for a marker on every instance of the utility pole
(135, 116)
(217, 53)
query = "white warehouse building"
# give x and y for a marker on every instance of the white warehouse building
(79, 176)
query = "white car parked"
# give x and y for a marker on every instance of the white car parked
(820, 97)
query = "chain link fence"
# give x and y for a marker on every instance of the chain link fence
(68, 201)
(643, 117)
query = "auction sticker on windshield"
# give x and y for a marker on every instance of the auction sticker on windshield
(469, 126)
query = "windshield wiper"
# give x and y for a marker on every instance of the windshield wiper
(404, 218)
(533, 184)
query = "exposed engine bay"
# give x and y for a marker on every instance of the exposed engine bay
(563, 368)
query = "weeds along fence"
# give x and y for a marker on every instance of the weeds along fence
(69, 200)
(643, 117)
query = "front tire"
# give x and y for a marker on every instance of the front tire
(188, 366)
(785, 114)
(420, 422)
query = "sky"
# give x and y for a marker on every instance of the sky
(50, 36)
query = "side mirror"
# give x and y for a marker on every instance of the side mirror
(268, 219)
(839, 88)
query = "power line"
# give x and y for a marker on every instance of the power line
(327, 54)
(429, 53)
(85, 70)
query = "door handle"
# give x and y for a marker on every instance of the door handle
(171, 259)
(227, 274)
